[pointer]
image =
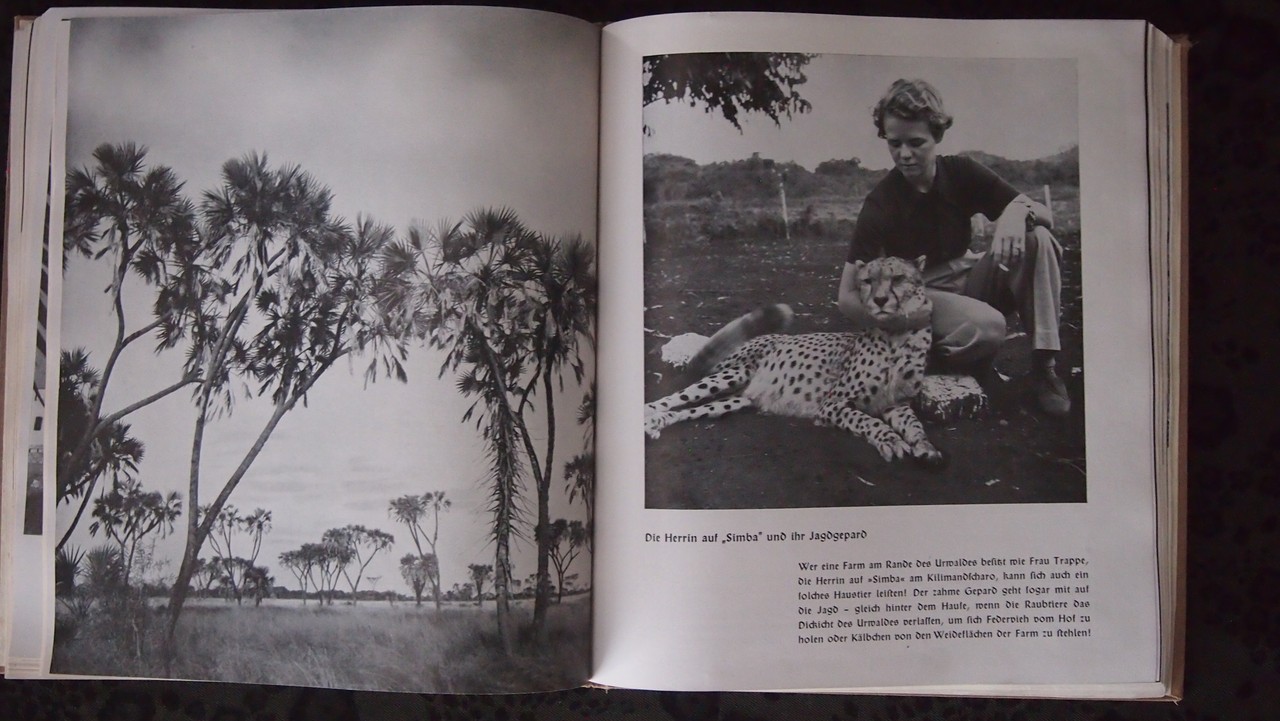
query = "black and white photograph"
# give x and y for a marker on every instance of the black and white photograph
(862, 281)
(325, 396)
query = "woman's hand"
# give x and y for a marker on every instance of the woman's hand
(1009, 242)
(1019, 217)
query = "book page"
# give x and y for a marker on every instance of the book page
(25, 310)
(769, 541)
(325, 324)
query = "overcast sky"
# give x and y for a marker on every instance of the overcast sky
(405, 113)
(1021, 109)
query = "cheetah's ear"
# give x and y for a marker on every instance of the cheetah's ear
(921, 261)
(858, 265)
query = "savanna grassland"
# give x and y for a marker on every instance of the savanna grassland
(716, 247)
(372, 645)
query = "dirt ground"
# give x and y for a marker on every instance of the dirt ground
(747, 460)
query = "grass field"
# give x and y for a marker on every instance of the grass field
(378, 646)
(708, 262)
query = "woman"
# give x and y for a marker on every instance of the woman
(923, 207)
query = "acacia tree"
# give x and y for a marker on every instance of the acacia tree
(412, 510)
(417, 571)
(288, 294)
(729, 83)
(507, 306)
(480, 574)
(137, 217)
(568, 538)
(362, 544)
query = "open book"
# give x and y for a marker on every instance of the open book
(305, 381)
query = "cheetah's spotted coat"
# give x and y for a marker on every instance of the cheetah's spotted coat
(863, 382)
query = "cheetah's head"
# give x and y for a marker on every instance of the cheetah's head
(892, 287)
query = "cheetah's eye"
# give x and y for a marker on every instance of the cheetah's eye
(899, 278)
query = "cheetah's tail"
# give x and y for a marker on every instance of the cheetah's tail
(767, 319)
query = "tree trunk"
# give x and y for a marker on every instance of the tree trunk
(192, 548)
(542, 532)
(504, 517)
(84, 502)
(501, 586)
(196, 534)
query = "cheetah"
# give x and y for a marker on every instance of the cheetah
(862, 381)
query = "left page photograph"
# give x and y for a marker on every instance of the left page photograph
(321, 330)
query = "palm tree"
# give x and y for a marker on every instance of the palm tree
(460, 288)
(311, 557)
(113, 451)
(330, 556)
(580, 471)
(497, 299)
(416, 571)
(411, 510)
(206, 575)
(562, 274)
(360, 541)
(299, 564)
(128, 514)
(139, 217)
(567, 539)
(480, 574)
(229, 524)
(301, 280)
(257, 583)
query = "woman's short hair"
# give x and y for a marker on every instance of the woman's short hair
(913, 100)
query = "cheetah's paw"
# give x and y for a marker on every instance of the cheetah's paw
(892, 447)
(928, 455)
(654, 422)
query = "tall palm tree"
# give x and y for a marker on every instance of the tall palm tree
(508, 308)
(461, 288)
(293, 297)
(562, 275)
(138, 216)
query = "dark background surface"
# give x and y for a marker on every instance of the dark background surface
(1233, 570)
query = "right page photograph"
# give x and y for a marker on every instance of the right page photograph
(876, 357)
(744, 213)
